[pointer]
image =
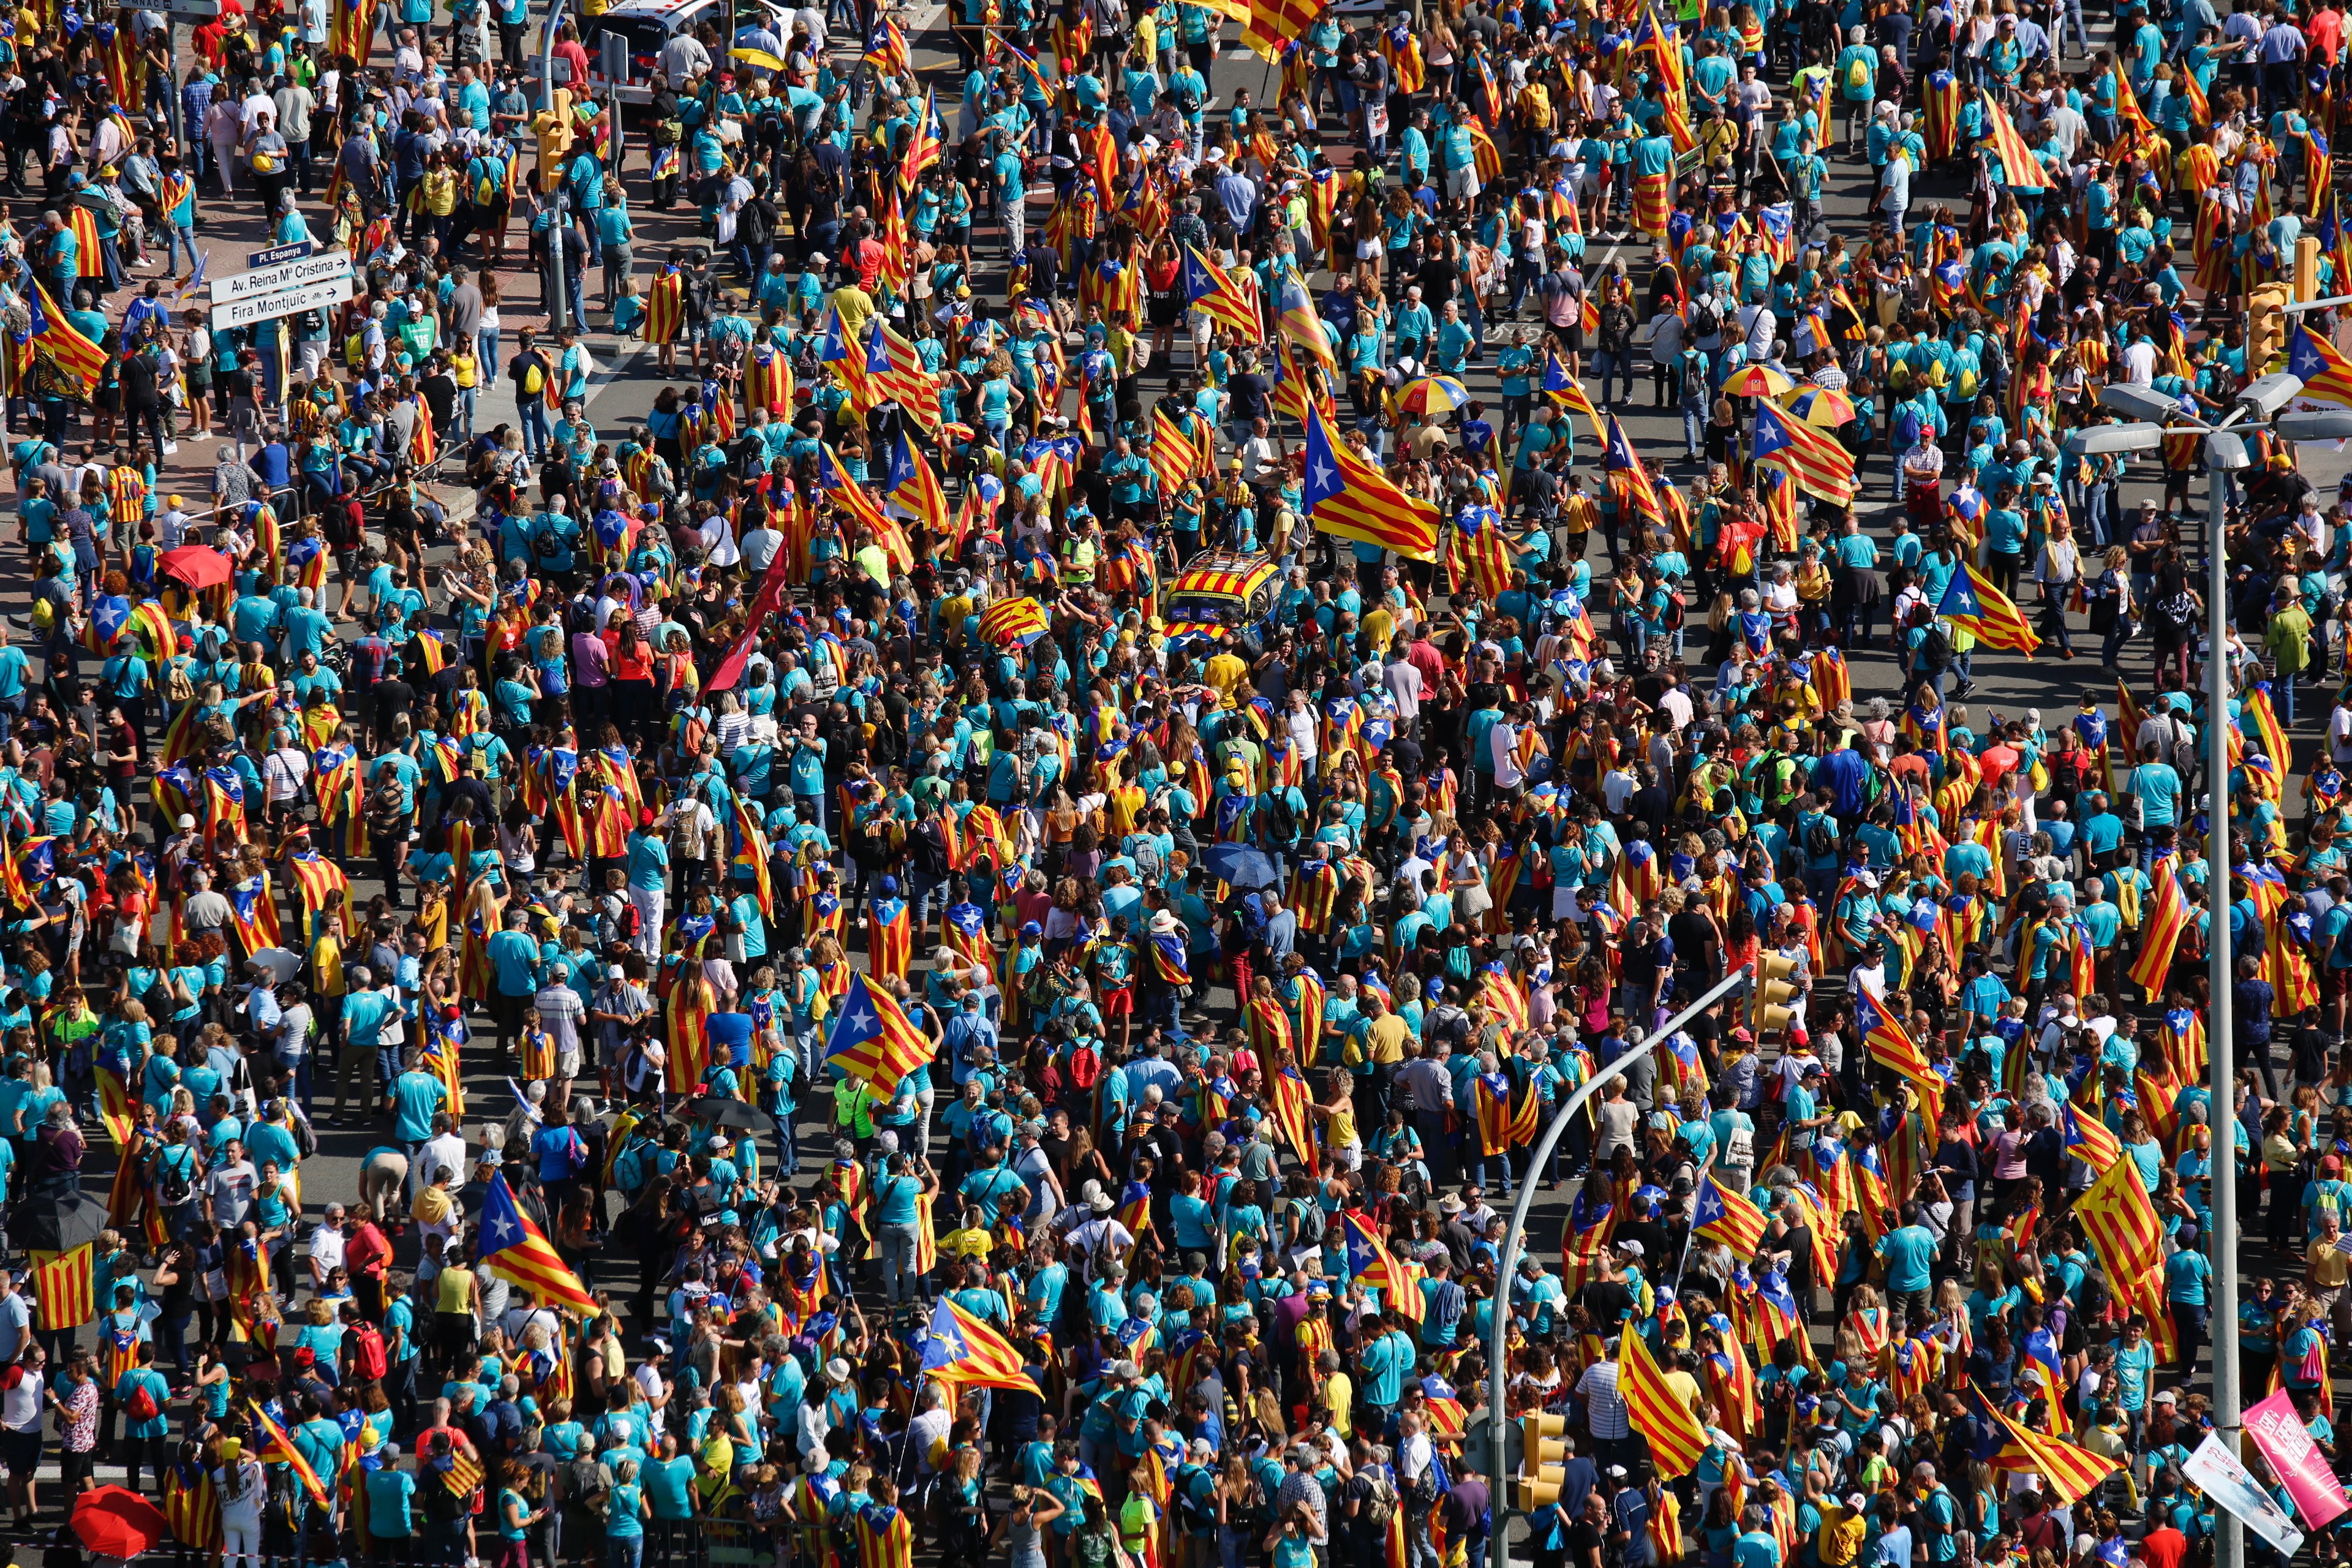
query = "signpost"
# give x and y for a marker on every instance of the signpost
(278, 253)
(286, 280)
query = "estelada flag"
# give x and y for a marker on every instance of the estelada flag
(871, 1038)
(1987, 612)
(1347, 496)
(1726, 1216)
(516, 1252)
(276, 1448)
(1657, 1412)
(64, 1287)
(965, 1351)
(2067, 1470)
(2327, 373)
(2120, 1221)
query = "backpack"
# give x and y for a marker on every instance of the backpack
(1379, 1503)
(1819, 843)
(172, 1185)
(1705, 319)
(1280, 821)
(546, 543)
(534, 378)
(368, 1357)
(306, 1136)
(1857, 76)
(1936, 649)
(141, 1406)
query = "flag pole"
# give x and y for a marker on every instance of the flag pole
(1498, 1552)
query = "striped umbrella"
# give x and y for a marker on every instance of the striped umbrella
(1431, 395)
(1823, 408)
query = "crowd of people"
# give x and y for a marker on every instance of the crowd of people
(966, 932)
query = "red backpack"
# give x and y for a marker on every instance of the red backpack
(368, 1359)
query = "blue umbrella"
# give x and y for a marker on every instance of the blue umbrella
(1239, 866)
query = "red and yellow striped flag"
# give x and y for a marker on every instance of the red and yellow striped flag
(2120, 1221)
(64, 1286)
(1657, 1412)
(2067, 1470)
(2161, 934)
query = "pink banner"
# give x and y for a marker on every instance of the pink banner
(2278, 1431)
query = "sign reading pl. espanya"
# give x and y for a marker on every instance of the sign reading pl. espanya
(281, 289)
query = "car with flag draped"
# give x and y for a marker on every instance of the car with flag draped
(1220, 592)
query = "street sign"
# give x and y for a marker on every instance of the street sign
(285, 302)
(294, 273)
(193, 10)
(615, 61)
(278, 253)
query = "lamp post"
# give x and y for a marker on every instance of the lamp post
(1498, 1550)
(2259, 407)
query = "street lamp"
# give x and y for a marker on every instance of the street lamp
(2259, 405)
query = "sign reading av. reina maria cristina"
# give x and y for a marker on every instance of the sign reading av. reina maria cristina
(302, 282)
(2278, 1431)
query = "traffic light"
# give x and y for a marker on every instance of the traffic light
(553, 128)
(1543, 1461)
(1766, 998)
(2306, 270)
(2266, 326)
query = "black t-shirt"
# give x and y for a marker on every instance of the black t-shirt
(1692, 933)
(392, 697)
(1606, 1300)
(440, 390)
(239, 383)
(1583, 1542)
(1250, 393)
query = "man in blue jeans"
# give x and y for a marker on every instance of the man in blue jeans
(531, 374)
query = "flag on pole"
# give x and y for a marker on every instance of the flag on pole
(1986, 612)
(518, 1252)
(1659, 1414)
(963, 1352)
(872, 1040)
(1347, 496)
(1727, 1216)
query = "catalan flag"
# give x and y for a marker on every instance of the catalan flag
(1290, 1098)
(2326, 374)
(2020, 168)
(962, 1351)
(915, 487)
(2068, 1470)
(276, 1448)
(2120, 1220)
(1619, 458)
(1347, 496)
(2088, 1139)
(871, 1038)
(518, 1252)
(1273, 25)
(64, 1287)
(1013, 620)
(1725, 1214)
(57, 339)
(1208, 287)
(1984, 610)
(1820, 467)
(464, 1476)
(1659, 1414)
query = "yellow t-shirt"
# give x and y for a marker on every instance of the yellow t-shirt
(1378, 627)
(1340, 1398)
(440, 192)
(1224, 673)
(327, 966)
(1388, 1034)
(466, 368)
(1840, 1540)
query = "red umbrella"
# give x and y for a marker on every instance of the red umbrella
(114, 1522)
(197, 565)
